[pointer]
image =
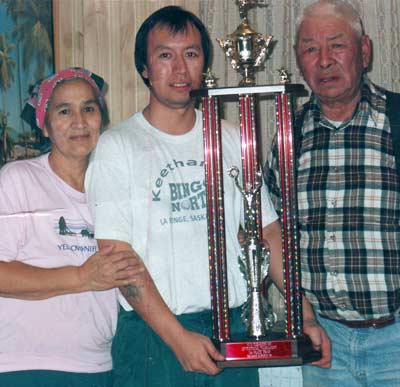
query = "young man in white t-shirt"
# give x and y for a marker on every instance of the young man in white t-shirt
(146, 191)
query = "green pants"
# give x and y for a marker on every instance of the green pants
(142, 359)
(41, 378)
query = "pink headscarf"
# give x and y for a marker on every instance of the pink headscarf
(41, 94)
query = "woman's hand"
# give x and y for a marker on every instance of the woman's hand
(107, 269)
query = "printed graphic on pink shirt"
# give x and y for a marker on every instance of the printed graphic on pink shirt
(69, 228)
(79, 237)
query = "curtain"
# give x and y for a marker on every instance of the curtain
(381, 20)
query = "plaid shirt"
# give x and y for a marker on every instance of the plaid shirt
(349, 210)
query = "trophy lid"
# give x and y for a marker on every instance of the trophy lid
(243, 29)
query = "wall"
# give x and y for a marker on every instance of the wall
(99, 35)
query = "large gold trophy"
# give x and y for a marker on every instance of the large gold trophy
(263, 346)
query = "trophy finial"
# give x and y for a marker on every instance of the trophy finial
(245, 48)
(210, 80)
(245, 5)
(284, 76)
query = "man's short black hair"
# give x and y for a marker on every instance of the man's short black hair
(177, 20)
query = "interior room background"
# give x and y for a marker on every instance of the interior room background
(99, 34)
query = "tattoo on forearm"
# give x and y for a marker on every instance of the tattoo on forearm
(134, 291)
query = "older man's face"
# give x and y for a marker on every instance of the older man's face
(332, 58)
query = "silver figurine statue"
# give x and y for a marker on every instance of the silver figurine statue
(254, 263)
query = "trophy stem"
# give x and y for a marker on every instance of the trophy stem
(257, 316)
(248, 77)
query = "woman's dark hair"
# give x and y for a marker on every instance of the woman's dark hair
(177, 20)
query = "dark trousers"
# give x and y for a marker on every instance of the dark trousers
(142, 359)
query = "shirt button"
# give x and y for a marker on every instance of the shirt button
(332, 203)
(343, 306)
(333, 237)
(334, 273)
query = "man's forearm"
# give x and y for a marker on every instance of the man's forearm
(272, 238)
(146, 300)
(134, 293)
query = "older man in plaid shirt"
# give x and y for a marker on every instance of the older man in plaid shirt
(349, 201)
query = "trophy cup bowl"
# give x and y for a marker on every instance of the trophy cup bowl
(245, 48)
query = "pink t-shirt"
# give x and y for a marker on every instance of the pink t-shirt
(46, 223)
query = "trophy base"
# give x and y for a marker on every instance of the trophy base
(267, 352)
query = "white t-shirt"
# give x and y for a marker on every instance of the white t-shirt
(46, 223)
(146, 188)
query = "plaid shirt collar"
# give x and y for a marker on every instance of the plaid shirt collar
(372, 103)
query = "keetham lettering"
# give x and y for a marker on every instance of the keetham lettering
(170, 167)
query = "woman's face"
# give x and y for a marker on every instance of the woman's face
(73, 120)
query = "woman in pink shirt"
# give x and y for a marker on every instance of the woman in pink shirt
(58, 305)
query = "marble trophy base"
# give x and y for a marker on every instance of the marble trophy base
(270, 351)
